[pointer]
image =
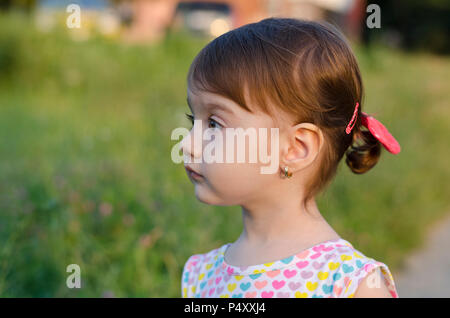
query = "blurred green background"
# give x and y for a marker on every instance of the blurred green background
(86, 175)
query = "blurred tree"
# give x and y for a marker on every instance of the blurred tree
(413, 24)
(26, 5)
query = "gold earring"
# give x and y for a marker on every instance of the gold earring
(287, 173)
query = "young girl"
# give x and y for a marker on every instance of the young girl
(302, 78)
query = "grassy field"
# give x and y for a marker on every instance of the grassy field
(86, 175)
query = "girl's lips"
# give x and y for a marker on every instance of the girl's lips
(193, 174)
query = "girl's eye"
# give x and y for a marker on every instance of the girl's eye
(191, 119)
(211, 122)
(215, 123)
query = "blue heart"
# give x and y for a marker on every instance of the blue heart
(287, 260)
(255, 276)
(336, 276)
(202, 285)
(236, 296)
(246, 286)
(347, 268)
(316, 296)
(327, 288)
(359, 263)
(210, 273)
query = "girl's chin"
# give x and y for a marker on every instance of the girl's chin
(202, 194)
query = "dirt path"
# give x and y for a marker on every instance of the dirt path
(427, 270)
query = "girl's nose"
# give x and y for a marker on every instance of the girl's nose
(192, 147)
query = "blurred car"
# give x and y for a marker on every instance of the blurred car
(203, 18)
(96, 16)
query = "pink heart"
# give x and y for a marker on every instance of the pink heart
(306, 274)
(368, 267)
(274, 273)
(210, 281)
(203, 294)
(218, 279)
(318, 265)
(230, 270)
(329, 248)
(393, 293)
(294, 286)
(288, 274)
(267, 294)
(303, 254)
(278, 284)
(283, 295)
(337, 290)
(211, 291)
(260, 284)
(250, 294)
(316, 255)
(302, 264)
(318, 248)
(328, 256)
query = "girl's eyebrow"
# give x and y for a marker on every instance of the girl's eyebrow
(212, 106)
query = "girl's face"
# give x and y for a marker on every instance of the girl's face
(234, 182)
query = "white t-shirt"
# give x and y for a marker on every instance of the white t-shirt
(329, 269)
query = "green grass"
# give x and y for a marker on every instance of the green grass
(86, 175)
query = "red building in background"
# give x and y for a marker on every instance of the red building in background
(151, 18)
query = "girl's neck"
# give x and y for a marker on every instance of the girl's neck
(288, 226)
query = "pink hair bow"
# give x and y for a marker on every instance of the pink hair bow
(377, 129)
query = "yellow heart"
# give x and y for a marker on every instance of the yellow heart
(224, 296)
(301, 295)
(346, 257)
(200, 277)
(208, 266)
(193, 289)
(231, 287)
(185, 292)
(311, 286)
(322, 275)
(239, 277)
(215, 257)
(357, 255)
(332, 265)
(269, 264)
(257, 271)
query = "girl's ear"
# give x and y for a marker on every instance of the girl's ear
(305, 142)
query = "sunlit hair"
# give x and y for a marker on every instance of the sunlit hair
(303, 69)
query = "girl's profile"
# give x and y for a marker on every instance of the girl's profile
(302, 78)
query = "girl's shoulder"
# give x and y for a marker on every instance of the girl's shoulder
(196, 265)
(350, 266)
